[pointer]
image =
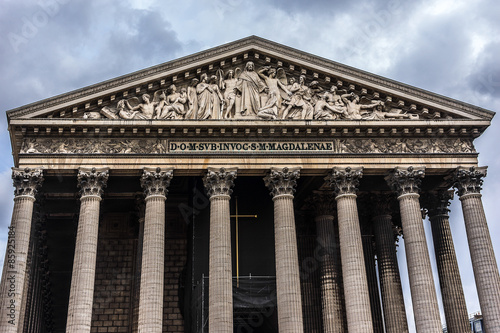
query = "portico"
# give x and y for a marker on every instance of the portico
(135, 212)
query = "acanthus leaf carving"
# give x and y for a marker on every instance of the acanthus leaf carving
(405, 180)
(469, 180)
(219, 181)
(155, 181)
(437, 202)
(323, 203)
(92, 181)
(344, 180)
(381, 203)
(282, 181)
(27, 181)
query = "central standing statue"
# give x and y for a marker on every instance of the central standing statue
(250, 86)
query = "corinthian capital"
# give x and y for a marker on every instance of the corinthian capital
(405, 180)
(27, 181)
(323, 203)
(344, 180)
(381, 203)
(437, 202)
(92, 181)
(469, 180)
(219, 181)
(155, 181)
(282, 181)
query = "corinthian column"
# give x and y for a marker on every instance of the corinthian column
(406, 183)
(26, 183)
(91, 182)
(154, 183)
(218, 183)
(281, 184)
(455, 309)
(390, 281)
(344, 183)
(331, 288)
(469, 182)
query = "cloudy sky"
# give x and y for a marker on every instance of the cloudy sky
(450, 47)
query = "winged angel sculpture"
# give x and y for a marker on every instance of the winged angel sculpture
(266, 93)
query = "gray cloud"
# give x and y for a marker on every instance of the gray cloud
(446, 47)
(485, 78)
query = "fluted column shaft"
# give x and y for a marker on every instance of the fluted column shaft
(152, 266)
(82, 281)
(218, 185)
(220, 285)
(155, 183)
(331, 291)
(390, 280)
(423, 292)
(281, 184)
(344, 183)
(485, 268)
(406, 182)
(81, 293)
(287, 269)
(12, 284)
(141, 212)
(371, 276)
(357, 297)
(455, 309)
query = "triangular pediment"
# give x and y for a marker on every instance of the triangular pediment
(217, 84)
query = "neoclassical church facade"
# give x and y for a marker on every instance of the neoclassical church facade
(251, 187)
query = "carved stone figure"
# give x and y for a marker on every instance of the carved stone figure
(173, 107)
(236, 94)
(228, 85)
(146, 108)
(276, 85)
(250, 85)
(323, 110)
(354, 107)
(270, 110)
(381, 112)
(316, 91)
(192, 97)
(300, 103)
(91, 115)
(217, 99)
(335, 101)
(205, 101)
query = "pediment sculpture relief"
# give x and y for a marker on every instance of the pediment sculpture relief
(250, 93)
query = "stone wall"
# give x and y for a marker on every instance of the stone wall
(117, 282)
(175, 259)
(114, 284)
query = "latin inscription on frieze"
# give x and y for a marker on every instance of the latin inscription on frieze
(249, 147)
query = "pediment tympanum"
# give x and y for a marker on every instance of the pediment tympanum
(262, 93)
(251, 79)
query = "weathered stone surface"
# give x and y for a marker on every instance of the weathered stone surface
(406, 182)
(92, 183)
(331, 287)
(154, 183)
(250, 104)
(468, 183)
(281, 184)
(344, 183)
(455, 309)
(26, 183)
(218, 184)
